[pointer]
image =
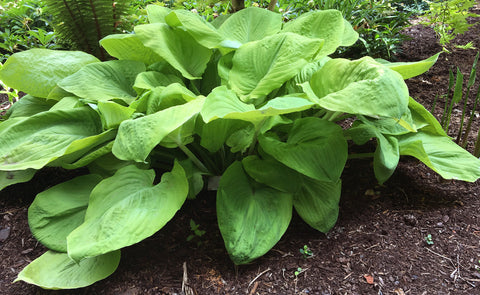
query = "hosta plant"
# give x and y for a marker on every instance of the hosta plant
(249, 106)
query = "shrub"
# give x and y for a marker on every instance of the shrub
(24, 25)
(251, 101)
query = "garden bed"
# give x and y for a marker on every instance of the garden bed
(377, 247)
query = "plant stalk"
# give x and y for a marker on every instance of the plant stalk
(194, 159)
(361, 156)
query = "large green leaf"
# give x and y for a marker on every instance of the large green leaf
(386, 156)
(361, 86)
(441, 154)
(127, 208)
(37, 71)
(92, 155)
(136, 138)
(174, 94)
(35, 141)
(273, 173)
(215, 133)
(201, 30)
(248, 25)
(315, 148)
(262, 66)
(157, 13)
(67, 103)
(424, 120)
(294, 85)
(17, 176)
(177, 47)
(412, 69)
(113, 113)
(328, 25)
(56, 212)
(252, 217)
(317, 203)
(105, 81)
(29, 106)
(56, 271)
(349, 36)
(224, 103)
(129, 47)
(152, 79)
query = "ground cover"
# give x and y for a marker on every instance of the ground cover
(380, 234)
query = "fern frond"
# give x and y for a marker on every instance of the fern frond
(83, 23)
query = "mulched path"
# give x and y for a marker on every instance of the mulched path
(377, 247)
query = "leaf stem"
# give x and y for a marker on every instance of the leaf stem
(331, 115)
(194, 158)
(360, 156)
(255, 136)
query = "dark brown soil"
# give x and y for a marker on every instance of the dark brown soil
(380, 233)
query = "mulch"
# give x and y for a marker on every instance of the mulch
(378, 246)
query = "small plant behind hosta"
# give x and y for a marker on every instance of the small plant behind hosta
(249, 106)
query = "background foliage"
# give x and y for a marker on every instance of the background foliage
(27, 24)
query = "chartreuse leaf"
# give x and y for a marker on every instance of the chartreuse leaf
(424, 120)
(66, 103)
(362, 86)
(157, 13)
(262, 66)
(105, 81)
(161, 98)
(181, 136)
(29, 106)
(127, 208)
(90, 156)
(391, 126)
(17, 176)
(113, 113)
(294, 85)
(35, 141)
(82, 147)
(441, 154)
(37, 71)
(349, 36)
(315, 148)
(55, 270)
(177, 47)
(224, 103)
(273, 173)
(152, 79)
(107, 165)
(328, 25)
(136, 138)
(194, 176)
(129, 47)
(435, 149)
(315, 201)
(387, 154)
(411, 69)
(215, 133)
(221, 102)
(56, 212)
(252, 217)
(250, 24)
(202, 31)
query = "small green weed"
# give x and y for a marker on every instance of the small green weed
(306, 252)
(298, 271)
(197, 233)
(429, 239)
